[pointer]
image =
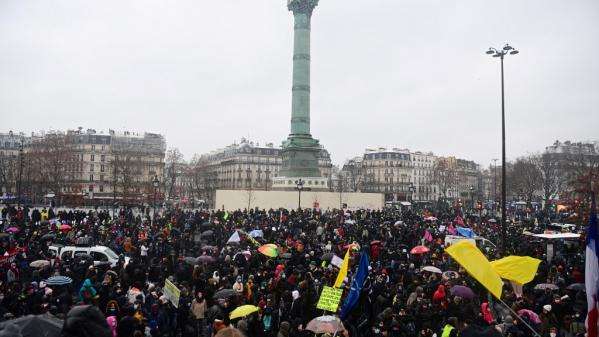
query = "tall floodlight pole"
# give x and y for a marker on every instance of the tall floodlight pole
(501, 53)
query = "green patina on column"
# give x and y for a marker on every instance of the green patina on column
(300, 151)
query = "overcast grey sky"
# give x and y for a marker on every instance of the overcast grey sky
(410, 73)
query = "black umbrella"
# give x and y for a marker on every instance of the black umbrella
(32, 326)
(327, 257)
(207, 233)
(576, 287)
(225, 293)
(49, 236)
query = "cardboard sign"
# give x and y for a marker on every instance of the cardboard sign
(329, 299)
(336, 261)
(171, 292)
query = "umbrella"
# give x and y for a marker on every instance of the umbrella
(49, 236)
(243, 311)
(327, 257)
(492, 220)
(39, 264)
(430, 218)
(325, 324)
(269, 249)
(479, 331)
(576, 287)
(419, 250)
(543, 286)
(33, 326)
(207, 233)
(205, 259)
(462, 291)
(234, 238)
(212, 248)
(13, 230)
(257, 233)
(224, 293)
(375, 242)
(65, 228)
(432, 269)
(450, 274)
(531, 315)
(58, 280)
(190, 260)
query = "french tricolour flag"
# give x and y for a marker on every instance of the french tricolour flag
(591, 273)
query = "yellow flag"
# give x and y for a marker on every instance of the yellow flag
(477, 265)
(520, 269)
(342, 271)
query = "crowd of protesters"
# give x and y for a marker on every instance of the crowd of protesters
(190, 249)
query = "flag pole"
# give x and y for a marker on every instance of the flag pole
(519, 317)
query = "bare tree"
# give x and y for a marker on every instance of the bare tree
(552, 178)
(251, 196)
(174, 160)
(51, 163)
(126, 169)
(525, 177)
(8, 173)
(444, 176)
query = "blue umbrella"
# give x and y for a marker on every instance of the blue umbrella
(58, 280)
(257, 233)
(467, 232)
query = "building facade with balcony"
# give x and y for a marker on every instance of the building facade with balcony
(388, 171)
(243, 166)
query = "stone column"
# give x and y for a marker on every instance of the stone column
(300, 98)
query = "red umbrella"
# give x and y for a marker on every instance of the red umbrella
(419, 250)
(65, 228)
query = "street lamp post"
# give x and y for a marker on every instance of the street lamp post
(472, 197)
(299, 185)
(155, 183)
(20, 173)
(494, 182)
(501, 53)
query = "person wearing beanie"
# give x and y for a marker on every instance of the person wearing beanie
(548, 320)
(85, 321)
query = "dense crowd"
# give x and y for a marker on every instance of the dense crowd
(402, 295)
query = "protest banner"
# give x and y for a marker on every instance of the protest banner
(329, 299)
(171, 292)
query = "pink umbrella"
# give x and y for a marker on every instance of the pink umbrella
(65, 228)
(532, 316)
(419, 250)
(13, 230)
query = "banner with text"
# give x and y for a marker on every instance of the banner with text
(329, 299)
(171, 292)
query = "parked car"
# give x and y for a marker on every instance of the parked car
(100, 254)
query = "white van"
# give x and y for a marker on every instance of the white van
(100, 254)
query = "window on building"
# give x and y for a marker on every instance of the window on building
(90, 188)
(102, 148)
(103, 157)
(102, 168)
(91, 157)
(93, 148)
(91, 167)
(101, 177)
(91, 177)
